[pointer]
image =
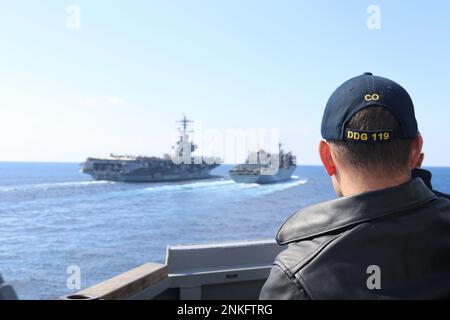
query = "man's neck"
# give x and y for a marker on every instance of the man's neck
(354, 184)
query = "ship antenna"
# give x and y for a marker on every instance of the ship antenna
(185, 122)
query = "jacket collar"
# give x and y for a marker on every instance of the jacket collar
(423, 174)
(347, 211)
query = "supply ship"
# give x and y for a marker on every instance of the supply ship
(262, 167)
(181, 165)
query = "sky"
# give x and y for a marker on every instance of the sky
(114, 76)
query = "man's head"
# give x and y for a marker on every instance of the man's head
(370, 135)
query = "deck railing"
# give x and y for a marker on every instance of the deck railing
(234, 270)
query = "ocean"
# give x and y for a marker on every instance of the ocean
(53, 217)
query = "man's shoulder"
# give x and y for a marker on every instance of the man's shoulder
(298, 253)
(442, 195)
(440, 204)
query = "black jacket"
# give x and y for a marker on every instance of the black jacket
(333, 246)
(426, 176)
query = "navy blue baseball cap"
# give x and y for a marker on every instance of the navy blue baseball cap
(363, 92)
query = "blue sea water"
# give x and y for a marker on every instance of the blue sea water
(52, 216)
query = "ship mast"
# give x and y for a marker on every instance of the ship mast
(184, 147)
(185, 123)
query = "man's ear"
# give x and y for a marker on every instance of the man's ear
(419, 163)
(327, 159)
(416, 152)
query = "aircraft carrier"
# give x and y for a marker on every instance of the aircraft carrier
(262, 167)
(181, 165)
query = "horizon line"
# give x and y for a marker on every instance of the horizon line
(80, 162)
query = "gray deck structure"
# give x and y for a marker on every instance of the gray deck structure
(228, 271)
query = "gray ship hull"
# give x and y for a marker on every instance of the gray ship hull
(149, 177)
(145, 171)
(283, 174)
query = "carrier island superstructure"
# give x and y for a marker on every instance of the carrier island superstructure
(180, 165)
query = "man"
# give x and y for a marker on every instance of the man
(387, 236)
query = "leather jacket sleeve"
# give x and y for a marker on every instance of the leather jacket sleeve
(280, 287)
